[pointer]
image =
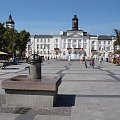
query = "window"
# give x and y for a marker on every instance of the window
(93, 42)
(79, 45)
(69, 40)
(56, 40)
(56, 45)
(48, 40)
(92, 48)
(64, 40)
(104, 42)
(85, 46)
(41, 40)
(80, 41)
(69, 52)
(37, 51)
(37, 46)
(107, 48)
(44, 46)
(99, 48)
(99, 42)
(69, 45)
(48, 46)
(74, 44)
(37, 40)
(85, 41)
(108, 42)
(40, 46)
(44, 40)
(29, 47)
(64, 46)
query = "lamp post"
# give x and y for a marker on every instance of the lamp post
(48, 52)
(47, 45)
(14, 54)
(34, 46)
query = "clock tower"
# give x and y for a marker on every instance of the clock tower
(75, 23)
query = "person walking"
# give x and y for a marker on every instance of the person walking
(85, 63)
(82, 55)
(100, 61)
(92, 61)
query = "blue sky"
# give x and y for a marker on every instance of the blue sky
(52, 16)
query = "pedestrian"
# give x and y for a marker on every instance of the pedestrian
(85, 64)
(82, 55)
(69, 57)
(100, 61)
(92, 61)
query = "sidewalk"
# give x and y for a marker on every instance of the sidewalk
(85, 93)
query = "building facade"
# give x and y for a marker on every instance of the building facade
(70, 43)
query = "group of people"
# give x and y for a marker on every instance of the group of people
(92, 59)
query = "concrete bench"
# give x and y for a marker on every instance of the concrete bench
(23, 91)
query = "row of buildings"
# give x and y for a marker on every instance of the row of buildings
(68, 43)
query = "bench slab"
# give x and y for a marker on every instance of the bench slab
(25, 92)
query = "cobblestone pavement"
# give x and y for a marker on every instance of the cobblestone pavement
(85, 93)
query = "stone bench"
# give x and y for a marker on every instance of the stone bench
(23, 91)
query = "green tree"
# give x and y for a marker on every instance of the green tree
(22, 42)
(117, 43)
(8, 39)
(2, 31)
(11, 39)
(117, 33)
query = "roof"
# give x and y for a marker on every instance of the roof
(75, 17)
(3, 53)
(10, 20)
(93, 35)
(104, 37)
(43, 36)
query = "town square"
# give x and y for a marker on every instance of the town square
(59, 60)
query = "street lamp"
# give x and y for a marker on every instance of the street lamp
(48, 52)
(14, 54)
(34, 47)
(34, 44)
(47, 45)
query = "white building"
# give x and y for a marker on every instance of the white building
(69, 43)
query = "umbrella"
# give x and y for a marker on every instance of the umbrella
(3, 53)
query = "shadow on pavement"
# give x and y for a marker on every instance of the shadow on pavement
(10, 68)
(65, 101)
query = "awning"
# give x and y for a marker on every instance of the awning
(3, 53)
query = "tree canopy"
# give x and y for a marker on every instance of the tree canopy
(117, 33)
(11, 38)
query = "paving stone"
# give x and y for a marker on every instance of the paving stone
(85, 94)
